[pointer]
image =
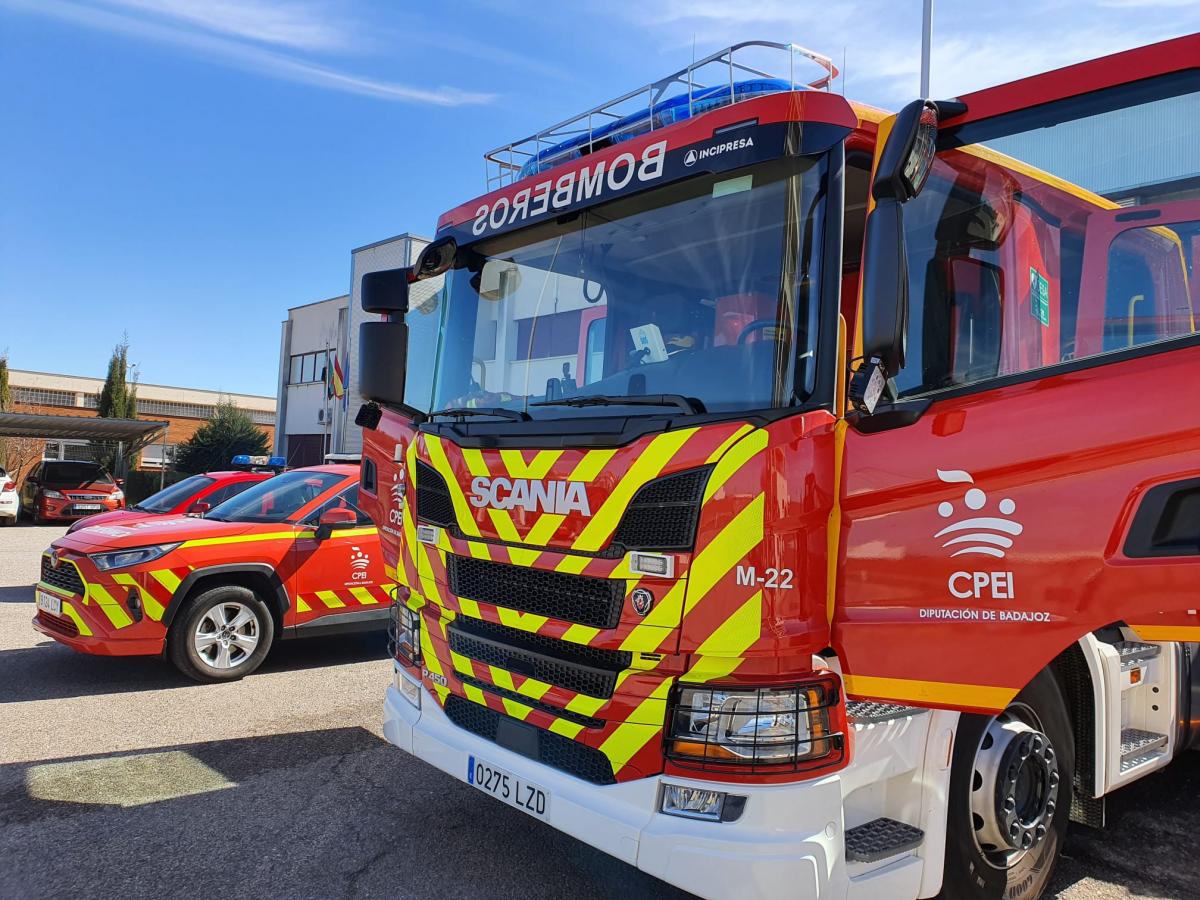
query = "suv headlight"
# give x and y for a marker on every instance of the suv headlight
(756, 727)
(121, 559)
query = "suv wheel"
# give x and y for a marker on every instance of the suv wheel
(221, 634)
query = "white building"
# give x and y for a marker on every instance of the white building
(310, 422)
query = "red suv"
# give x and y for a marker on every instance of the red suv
(65, 490)
(195, 494)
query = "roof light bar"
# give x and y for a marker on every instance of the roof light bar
(704, 85)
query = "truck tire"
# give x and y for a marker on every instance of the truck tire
(1010, 797)
(221, 634)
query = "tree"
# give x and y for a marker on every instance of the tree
(118, 400)
(118, 397)
(229, 432)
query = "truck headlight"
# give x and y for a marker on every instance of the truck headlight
(756, 727)
(121, 559)
(405, 630)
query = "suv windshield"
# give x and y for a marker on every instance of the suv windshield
(275, 499)
(706, 289)
(75, 474)
(170, 497)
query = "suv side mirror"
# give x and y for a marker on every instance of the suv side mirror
(199, 508)
(903, 168)
(333, 519)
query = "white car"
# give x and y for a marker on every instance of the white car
(9, 501)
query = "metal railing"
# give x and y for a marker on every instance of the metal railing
(641, 107)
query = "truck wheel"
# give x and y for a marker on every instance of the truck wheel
(221, 634)
(1010, 795)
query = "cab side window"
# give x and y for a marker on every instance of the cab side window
(223, 493)
(1058, 233)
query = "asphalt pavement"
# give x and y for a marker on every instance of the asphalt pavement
(120, 778)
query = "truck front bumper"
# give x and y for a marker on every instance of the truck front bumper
(788, 841)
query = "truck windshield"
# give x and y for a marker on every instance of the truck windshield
(705, 290)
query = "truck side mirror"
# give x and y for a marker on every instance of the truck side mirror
(332, 519)
(386, 292)
(903, 167)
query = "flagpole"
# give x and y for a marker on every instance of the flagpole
(926, 44)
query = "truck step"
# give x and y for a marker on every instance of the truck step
(880, 839)
(1136, 653)
(1139, 746)
(865, 712)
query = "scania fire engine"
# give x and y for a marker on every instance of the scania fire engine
(794, 499)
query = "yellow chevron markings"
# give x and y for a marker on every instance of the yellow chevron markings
(76, 618)
(586, 705)
(591, 465)
(621, 746)
(112, 609)
(301, 606)
(523, 621)
(833, 530)
(167, 579)
(565, 728)
(580, 634)
(727, 443)
(473, 693)
(330, 599)
(364, 596)
(432, 663)
(1185, 633)
(729, 464)
(543, 462)
(153, 608)
(462, 511)
(721, 653)
(652, 460)
(708, 567)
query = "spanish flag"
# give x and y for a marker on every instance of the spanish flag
(339, 380)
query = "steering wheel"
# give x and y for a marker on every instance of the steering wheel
(756, 325)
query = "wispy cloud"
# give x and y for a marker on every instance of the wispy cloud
(301, 26)
(249, 57)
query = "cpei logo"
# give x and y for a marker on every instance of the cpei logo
(980, 535)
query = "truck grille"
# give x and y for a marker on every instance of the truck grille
(662, 515)
(65, 577)
(572, 598)
(525, 700)
(554, 750)
(433, 497)
(585, 670)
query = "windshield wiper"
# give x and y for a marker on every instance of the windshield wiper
(514, 414)
(687, 404)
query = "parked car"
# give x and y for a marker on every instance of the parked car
(63, 490)
(288, 557)
(10, 500)
(196, 494)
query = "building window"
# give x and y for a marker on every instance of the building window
(153, 455)
(43, 396)
(307, 368)
(78, 451)
(184, 410)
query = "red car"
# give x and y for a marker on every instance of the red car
(64, 490)
(291, 556)
(197, 494)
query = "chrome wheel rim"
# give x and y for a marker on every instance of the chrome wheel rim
(1014, 787)
(226, 635)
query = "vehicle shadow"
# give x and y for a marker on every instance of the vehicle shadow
(22, 593)
(51, 671)
(330, 813)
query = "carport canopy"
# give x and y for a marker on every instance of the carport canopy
(86, 428)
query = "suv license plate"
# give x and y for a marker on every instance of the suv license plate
(504, 785)
(50, 603)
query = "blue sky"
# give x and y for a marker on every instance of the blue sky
(185, 170)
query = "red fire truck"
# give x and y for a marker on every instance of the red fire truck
(793, 499)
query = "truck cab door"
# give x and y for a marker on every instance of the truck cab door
(337, 580)
(990, 507)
